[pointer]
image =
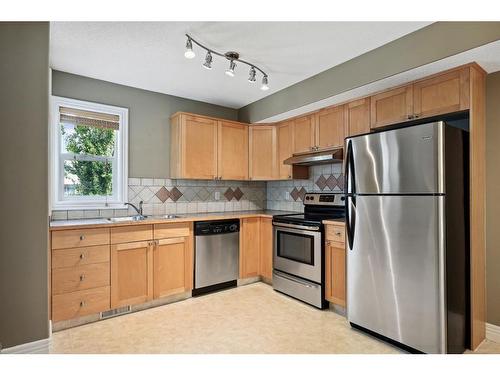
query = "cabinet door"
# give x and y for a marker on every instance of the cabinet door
(249, 247)
(173, 271)
(330, 124)
(266, 248)
(445, 93)
(392, 106)
(303, 134)
(131, 273)
(357, 115)
(285, 144)
(263, 152)
(232, 151)
(198, 147)
(335, 274)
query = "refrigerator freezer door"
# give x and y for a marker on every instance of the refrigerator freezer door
(395, 268)
(401, 161)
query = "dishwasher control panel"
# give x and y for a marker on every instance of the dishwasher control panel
(207, 228)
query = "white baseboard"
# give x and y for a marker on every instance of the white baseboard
(493, 332)
(34, 347)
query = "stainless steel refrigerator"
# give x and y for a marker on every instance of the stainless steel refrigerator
(407, 236)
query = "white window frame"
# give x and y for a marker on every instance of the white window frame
(120, 163)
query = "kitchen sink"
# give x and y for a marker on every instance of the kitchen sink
(170, 216)
(127, 218)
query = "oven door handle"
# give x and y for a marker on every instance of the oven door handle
(290, 278)
(296, 226)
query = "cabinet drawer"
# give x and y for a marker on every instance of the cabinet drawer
(85, 302)
(131, 233)
(335, 233)
(171, 230)
(79, 237)
(71, 279)
(80, 256)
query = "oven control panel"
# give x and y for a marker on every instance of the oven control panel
(325, 199)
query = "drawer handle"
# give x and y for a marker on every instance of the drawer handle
(82, 277)
(82, 304)
(82, 237)
(82, 256)
(338, 234)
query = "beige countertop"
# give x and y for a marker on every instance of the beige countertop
(74, 224)
(335, 221)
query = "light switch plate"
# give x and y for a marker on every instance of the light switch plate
(217, 195)
(287, 195)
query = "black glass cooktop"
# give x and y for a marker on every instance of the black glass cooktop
(313, 219)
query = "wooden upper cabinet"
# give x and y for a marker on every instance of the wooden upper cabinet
(232, 151)
(263, 152)
(304, 133)
(357, 116)
(285, 144)
(330, 124)
(173, 270)
(131, 273)
(392, 106)
(249, 247)
(444, 93)
(193, 150)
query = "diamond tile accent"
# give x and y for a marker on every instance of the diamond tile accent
(163, 194)
(190, 194)
(340, 182)
(229, 194)
(238, 193)
(321, 182)
(302, 193)
(203, 194)
(294, 194)
(331, 182)
(175, 194)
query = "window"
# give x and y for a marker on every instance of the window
(89, 154)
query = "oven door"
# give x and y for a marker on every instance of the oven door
(297, 251)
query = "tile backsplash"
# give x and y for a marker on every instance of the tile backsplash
(288, 195)
(165, 196)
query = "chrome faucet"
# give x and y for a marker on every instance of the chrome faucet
(139, 210)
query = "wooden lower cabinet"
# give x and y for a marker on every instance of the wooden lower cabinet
(266, 248)
(131, 273)
(249, 247)
(335, 265)
(80, 303)
(172, 270)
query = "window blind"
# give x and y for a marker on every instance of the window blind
(88, 118)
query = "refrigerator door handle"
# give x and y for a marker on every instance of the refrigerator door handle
(350, 186)
(351, 220)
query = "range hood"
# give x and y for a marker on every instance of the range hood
(330, 156)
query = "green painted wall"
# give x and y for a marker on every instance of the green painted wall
(149, 113)
(24, 95)
(493, 198)
(432, 43)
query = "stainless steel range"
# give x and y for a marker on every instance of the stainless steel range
(298, 254)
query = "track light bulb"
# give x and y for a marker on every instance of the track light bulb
(251, 77)
(230, 71)
(264, 86)
(189, 54)
(208, 61)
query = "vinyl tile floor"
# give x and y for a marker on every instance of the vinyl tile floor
(249, 319)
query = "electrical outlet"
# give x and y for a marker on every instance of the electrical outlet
(217, 195)
(287, 195)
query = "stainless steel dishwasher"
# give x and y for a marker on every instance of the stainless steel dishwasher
(217, 253)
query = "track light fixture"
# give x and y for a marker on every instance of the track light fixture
(251, 77)
(233, 57)
(208, 61)
(189, 54)
(264, 86)
(230, 71)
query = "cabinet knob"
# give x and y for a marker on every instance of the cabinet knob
(82, 256)
(338, 234)
(409, 117)
(82, 237)
(82, 303)
(416, 116)
(82, 277)
(289, 176)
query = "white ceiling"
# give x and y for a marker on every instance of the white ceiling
(150, 55)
